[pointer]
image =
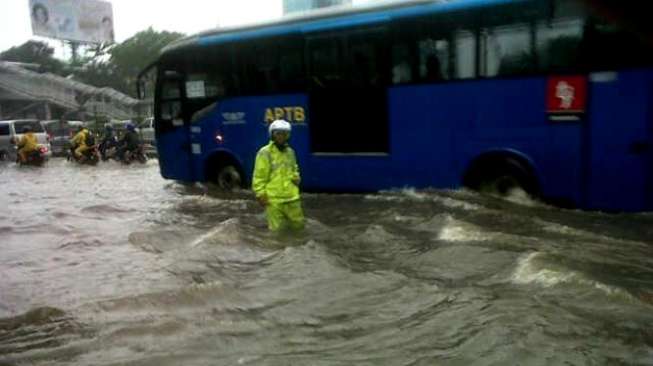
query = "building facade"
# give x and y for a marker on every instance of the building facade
(25, 93)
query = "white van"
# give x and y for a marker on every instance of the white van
(14, 130)
(147, 131)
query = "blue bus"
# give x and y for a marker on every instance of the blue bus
(552, 96)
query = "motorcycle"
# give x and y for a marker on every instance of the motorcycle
(89, 157)
(108, 148)
(35, 158)
(135, 155)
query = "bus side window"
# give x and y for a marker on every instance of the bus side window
(465, 54)
(607, 45)
(170, 90)
(262, 70)
(325, 63)
(170, 111)
(402, 61)
(558, 44)
(291, 61)
(433, 59)
(507, 51)
(364, 63)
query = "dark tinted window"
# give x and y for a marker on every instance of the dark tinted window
(170, 90)
(578, 38)
(326, 63)
(607, 46)
(366, 59)
(348, 74)
(262, 71)
(433, 50)
(209, 77)
(169, 113)
(4, 130)
(293, 72)
(558, 44)
(433, 59)
(507, 50)
(34, 125)
(271, 66)
(403, 61)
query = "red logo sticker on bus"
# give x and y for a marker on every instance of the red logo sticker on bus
(566, 94)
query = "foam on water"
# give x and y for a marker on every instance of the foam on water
(520, 197)
(458, 231)
(534, 269)
(458, 204)
(452, 230)
(556, 228)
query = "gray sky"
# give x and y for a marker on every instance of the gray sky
(132, 16)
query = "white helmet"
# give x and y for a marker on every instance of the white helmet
(279, 125)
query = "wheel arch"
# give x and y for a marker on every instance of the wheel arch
(218, 159)
(483, 164)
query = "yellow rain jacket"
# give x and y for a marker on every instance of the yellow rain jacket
(28, 142)
(274, 173)
(79, 141)
(80, 138)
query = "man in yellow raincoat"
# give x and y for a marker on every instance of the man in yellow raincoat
(276, 180)
(27, 144)
(79, 142)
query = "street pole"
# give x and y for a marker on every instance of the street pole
(74, 46)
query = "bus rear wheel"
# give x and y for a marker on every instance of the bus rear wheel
(504, 184)
(229, 178)
(502, 177)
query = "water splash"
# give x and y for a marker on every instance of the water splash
(536, 269)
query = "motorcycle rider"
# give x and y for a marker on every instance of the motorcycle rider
(79, 142)
(27, 144)
(108, 140)
(130, 141)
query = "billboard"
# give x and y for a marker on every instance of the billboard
(89, 21)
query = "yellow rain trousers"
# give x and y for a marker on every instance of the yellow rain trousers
(274, 172)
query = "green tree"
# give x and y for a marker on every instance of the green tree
(130, 57)
(35, 52)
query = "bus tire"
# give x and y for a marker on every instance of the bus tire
(501, 176)
(229, 178)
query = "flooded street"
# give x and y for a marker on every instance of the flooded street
(115, 266)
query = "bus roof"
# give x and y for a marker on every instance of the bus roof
(338, 17)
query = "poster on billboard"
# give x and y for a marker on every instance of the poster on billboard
(89, 21)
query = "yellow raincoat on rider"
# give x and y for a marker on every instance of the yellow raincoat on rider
(276, 178)
(79, 142)
(27, 144)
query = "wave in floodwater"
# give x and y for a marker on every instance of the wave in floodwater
(113, 265)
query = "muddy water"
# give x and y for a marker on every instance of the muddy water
(115, 266)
